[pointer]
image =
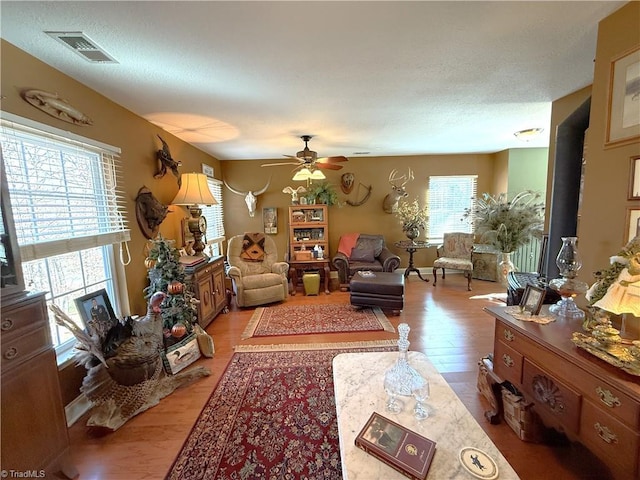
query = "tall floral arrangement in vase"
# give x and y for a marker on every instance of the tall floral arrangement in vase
(507, 224)
(413, 217)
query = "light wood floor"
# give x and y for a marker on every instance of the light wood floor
(446, 324)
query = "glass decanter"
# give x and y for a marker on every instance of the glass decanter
(568, 262)
(402, 379)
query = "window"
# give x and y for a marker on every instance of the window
(67, 211)
(215, 219)
(448, 198)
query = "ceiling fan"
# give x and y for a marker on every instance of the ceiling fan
(309, 158)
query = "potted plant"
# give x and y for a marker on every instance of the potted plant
(507, 224)
(322, 192)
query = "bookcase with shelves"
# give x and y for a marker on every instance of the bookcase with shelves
(308, 226)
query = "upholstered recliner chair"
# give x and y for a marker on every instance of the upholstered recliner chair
(360, 251)
(455, 254)
(257, 275)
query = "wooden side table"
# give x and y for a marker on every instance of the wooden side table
(412, 247)
(321, 265)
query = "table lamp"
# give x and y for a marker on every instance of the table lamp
(194, 192)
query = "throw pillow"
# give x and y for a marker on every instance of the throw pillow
(362, 255)
(253, 247)
(373, 242)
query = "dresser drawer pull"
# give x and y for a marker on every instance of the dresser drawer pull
(605, 434)
(11, 353)
(7, 324)
(508, 335)
(507, 360)
(608, 398)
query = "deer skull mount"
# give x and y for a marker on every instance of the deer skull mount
(390, 202)
(250, 198)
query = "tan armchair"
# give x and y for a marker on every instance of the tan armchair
(455, 254)
(257, 281)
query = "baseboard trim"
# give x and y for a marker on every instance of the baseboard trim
(76, 408)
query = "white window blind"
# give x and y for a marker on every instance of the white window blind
(448, 198)
(214, 214)
(65, 192)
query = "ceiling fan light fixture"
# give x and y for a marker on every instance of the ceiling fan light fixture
(317, 175)
(302, 175)
(528, 134)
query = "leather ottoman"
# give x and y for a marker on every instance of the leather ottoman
(378, 289)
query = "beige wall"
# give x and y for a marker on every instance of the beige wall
(114, 125)
(367, 218)
(602, 228)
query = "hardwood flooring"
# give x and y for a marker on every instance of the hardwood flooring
(446, 324)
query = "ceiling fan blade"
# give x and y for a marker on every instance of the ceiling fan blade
(293, 156)
(328, 166)
(277, 164)
(333, 159)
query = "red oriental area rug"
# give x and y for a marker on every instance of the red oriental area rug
(309, 319)
(272, 415)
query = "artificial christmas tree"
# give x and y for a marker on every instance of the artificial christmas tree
(167, 275)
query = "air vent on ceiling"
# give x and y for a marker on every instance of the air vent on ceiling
(83, 46)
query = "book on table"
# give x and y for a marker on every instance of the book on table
(404, 450)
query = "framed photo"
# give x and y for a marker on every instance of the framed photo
(634, 178)
(207, 170)
(182, 354)
(532, 299)
(96, 312)
(270, 220)
(623, 121)
(633, 224)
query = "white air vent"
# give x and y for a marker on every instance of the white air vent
(83, 46)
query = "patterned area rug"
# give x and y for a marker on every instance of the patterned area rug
(272, 415)
(309, 319)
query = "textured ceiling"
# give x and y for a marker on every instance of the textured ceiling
(243, 80)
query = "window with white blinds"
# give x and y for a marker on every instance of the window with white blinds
(448, 198)
(68, 212)
(215, 218)
(64, 193)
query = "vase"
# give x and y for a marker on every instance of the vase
(504, 268)
(568, 262)
(412, 233)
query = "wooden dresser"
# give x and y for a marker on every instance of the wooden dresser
(34, 427)
(207, 280)
(574, 392)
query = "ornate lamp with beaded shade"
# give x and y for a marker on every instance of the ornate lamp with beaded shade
(194, 192)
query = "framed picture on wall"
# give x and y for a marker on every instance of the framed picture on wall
(623, 119)
(633, 223)
(270, 220)
(634, 178)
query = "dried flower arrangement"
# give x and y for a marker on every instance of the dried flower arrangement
(507, 225)
(412, 215)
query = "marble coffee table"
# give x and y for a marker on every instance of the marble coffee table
(358, 380)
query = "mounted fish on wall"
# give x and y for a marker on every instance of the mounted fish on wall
(52, 104)
(165, 161)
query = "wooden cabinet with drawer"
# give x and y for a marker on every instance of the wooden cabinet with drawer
(572, 391)
(34, 427)
(207, 281)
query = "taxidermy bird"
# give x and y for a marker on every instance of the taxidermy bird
(125, 375)
(294, 192)
(165, 161)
